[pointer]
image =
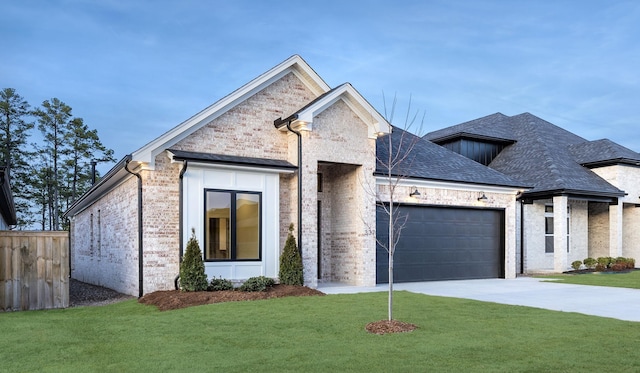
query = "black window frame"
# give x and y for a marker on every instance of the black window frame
(232, 221)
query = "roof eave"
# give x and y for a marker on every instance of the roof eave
(596, 196)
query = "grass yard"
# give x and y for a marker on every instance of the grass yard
(620, 280)
(316, 334)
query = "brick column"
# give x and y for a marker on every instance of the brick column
(615, 229)
(560, 233)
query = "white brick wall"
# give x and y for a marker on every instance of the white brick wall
(106, 253)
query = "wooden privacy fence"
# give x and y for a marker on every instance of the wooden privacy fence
(34, 270)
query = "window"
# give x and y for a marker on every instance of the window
(232, 225)
(548, 228)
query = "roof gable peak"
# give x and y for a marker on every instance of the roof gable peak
(294, 64)
(376, 123)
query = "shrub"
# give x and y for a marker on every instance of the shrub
(192, 276)
(576, 264)
(600, 267)
(259, 283)
(219, 284)
(619, 266)
(631, 263)
(590, 263)
(291, 262)
(605, 261)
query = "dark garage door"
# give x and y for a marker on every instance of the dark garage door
(443, 243)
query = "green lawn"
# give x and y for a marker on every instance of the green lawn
(620, 280)
(316, 334)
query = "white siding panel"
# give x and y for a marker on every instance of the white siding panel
(199, 178)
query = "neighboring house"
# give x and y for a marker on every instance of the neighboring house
(585, 194)
(7, 207)
(231, 174)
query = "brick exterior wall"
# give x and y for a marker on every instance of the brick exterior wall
(339, 143)
(105, 240)
(160, 201)
(626, 178)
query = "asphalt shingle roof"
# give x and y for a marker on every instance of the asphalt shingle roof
(603, 151)
(543, 155)
(427, 160)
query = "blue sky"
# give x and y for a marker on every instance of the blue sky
(134, 69)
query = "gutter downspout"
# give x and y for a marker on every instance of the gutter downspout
(278, 123)
(299, 186)
(140, 236)
(185, 164)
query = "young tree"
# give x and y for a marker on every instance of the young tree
(394, 158)
(14, 132)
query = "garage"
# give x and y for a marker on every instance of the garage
(443, 243)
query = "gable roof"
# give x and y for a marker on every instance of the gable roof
(294, 64)
(303, 118)
(144, 158)
(429, 161)
(540, 156)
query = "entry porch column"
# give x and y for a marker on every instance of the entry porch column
(615, 229)
(560, 236)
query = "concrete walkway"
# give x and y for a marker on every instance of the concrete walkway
(617, 303)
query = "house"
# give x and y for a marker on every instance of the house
(7, 207)
(584, 195)
(489, 198)
(287, 148)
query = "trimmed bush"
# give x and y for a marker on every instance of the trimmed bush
(259, 283)
(219, 284)
(605, 261)
(576, 265)
(291, 262)
(192, 276)
(619, 267)
(590, 263)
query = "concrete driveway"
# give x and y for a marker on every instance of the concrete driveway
(617, 303)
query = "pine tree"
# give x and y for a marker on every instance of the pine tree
(192, 276)
(53, 122)
(14, 132)
(291, 262)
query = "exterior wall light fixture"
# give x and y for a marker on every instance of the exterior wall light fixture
(483, 197)
(415, 192)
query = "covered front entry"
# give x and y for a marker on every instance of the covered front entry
(443, 243)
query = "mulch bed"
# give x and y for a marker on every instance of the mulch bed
(587, 271)
(393, 326)
(175, 299)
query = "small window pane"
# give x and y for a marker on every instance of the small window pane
(548, 225)
(548, 208)
(548, 244)
(247, 226)
(218, 229)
